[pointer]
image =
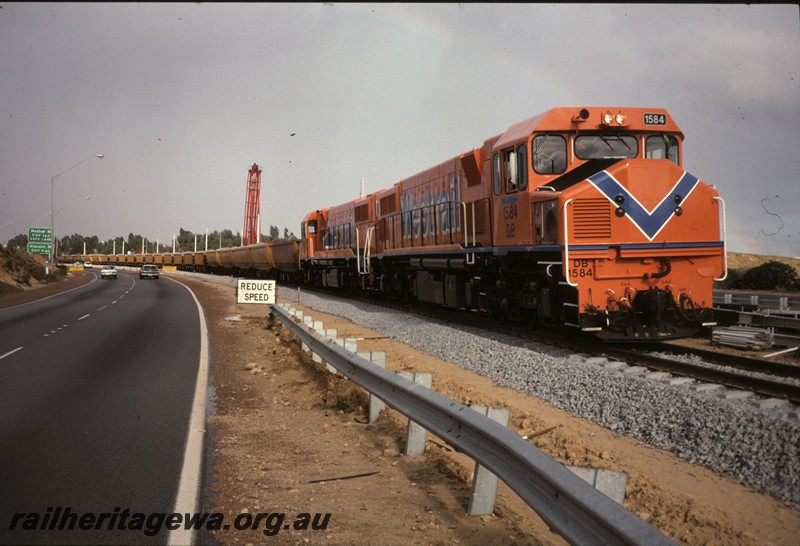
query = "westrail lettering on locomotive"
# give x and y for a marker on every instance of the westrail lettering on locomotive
(340, 231)
(428, 210)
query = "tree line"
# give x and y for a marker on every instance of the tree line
(185, 241)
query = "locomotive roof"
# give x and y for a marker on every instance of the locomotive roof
(570, 118)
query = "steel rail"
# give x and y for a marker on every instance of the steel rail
(766, 387)
(761, 365)
(570, 506)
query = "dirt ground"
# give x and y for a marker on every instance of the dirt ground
(282, 421)
(283, 430)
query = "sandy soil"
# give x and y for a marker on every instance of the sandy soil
(282, 421)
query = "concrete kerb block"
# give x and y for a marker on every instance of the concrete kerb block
(350, 344)
(416, 436)
(612, 484)
(483, 496)
(299, 316)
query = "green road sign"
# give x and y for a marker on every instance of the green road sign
(40, 248)
(40, 235)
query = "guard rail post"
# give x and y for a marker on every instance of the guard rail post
(331, 334)
(483, 496)
(416, 435)
(376, 405)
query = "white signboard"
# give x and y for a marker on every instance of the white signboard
(255, 291)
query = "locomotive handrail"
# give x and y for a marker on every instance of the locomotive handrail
(566, 245)
(571, 507)
(470, 257)
(367, 243)
(721, 202)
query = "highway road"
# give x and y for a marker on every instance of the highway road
(96, 390)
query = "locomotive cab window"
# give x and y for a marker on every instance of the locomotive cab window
(662, 147)
(516, 169)
(312, 227)
(512, 173)
(606, 146)
(549, 154)
(497, 174)
(522, 166)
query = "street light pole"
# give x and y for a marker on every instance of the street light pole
(55, 228)
(52, 199)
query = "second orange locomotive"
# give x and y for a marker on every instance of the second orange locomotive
(578, 216)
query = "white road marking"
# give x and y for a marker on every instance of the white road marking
(189, 486)
(9, 353)
(84, 316)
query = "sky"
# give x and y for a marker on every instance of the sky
(181, 99)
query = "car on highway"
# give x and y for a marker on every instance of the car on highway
(148, 271)
(87, 265)
(108, 272)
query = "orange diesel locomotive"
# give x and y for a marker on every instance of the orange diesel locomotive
(582, 217)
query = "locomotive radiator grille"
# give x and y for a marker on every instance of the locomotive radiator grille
(591, 219)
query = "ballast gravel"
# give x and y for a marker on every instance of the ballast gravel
(758, 447)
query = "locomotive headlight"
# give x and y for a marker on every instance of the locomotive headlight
(608, 118)
(620, 118)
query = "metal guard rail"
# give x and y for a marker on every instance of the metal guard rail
(570, 506)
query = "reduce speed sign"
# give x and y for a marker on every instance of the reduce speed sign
(255, 291)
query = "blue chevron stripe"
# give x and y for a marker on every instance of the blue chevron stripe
(650, 223)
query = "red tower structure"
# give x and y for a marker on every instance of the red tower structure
(251, 233)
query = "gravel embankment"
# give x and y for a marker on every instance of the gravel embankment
(759, 448)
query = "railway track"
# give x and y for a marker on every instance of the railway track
(775, 387)
(774, 380)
